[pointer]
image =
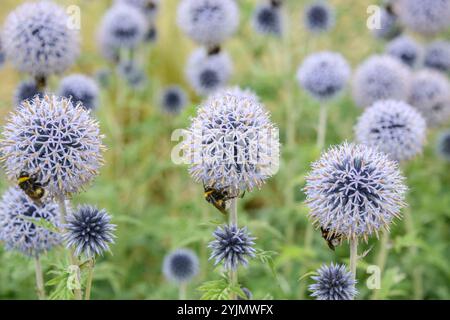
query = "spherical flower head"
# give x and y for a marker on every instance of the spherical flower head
(173, 99)
(430, 94)
(333, 282)
(17, 228)
(38, 39)
(208, 22)
(232, 144)
(122, 26)
(437, 56)
(406, 50)
(392, 127)
(148, 7)
(207, 73)
(443, 145)
(181, 265)
(324, 75)
(80, 89)
(133, 74)
(389, 27)
(319, 17)
(426, 17)
(89, 231)
(380, 78)
(232, 246)
(354, 191)
(54, 139)
(26, 90)
(268, 19)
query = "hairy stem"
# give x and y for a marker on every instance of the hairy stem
(353, 256)
(233, 275)
(39, 278)
(182, 291)
(91, 265)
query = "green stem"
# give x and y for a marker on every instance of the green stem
(233, 275)
(87, 294)
(381, 260)
(353, 256)
(417, 272)
(40, 289)
(182, 291)
(322, 127)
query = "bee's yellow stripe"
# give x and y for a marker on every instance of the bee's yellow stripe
(23, 179)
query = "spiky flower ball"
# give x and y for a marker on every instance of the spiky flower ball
(333, 282)
(319, 17)
(232, 143)
(133, 74)
(122, 26)
(354, 191)
(26, 90)
(406, 49)
(180, 265)
(38, 39)
(389, 27)
(231, 246)
(173, 99)
(148, 7)
(443, 145)
(430, 94)
(208, 22)
(207, 73)
(89, 231)
(426, 17)
(268, 19)
(80, 89)
(324, 75)
(393, 127)
(58, 141)
(380, 78)
(437, 55)
(17, 230)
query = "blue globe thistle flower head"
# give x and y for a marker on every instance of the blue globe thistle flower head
(54, 139)
(17, 228)
(122, 26)
(380, 78)
(333, 282)
(38, 40)
(319, 17)
(389, 26)
(89, 231)
(207, 73)
(232, 144)
(427, 17)
(80, 89)
(437, 56)
(392, 127)
(354, 191)
(232, 246)
(406, 49)
(430, 95)
(26, 90)
(133, 74)
(149, 8)
(173, 99)
(268, 19)
(208, 22)
(324, 75)
(180, 265)
(443, 145)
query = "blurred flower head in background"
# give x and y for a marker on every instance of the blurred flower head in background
(207, 73)
(180, 265)
(380, 78)
(148, 7)
(430, 94)
(393, 127)
(333, 282)
(324, 74)
(17, 228)
(268, 19)
(443, 145)
(437, 55)
(37, 39)
(54, 139)
(208, 22)
(389, 27)
(133, 74)
(232, 143)
(232, 246)
(89, 231)
(26, 90)
(406, 49)
(80, 89)
(173, 99)
(319, 17)
(354, 191)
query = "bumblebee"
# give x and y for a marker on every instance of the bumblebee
(332, 241)
(219, 197)
(31, 186)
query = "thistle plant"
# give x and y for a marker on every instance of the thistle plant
(319, 17)
(406, 49)
(80, 89)
(26, 90)
(180, 266)
(173, 99)
(333, 282)
(268, 18)
(443, 145)
(389, 25)
(437, 56)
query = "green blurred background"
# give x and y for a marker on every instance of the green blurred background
(157, 207)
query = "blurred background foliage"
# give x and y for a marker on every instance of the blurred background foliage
(158, 208)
